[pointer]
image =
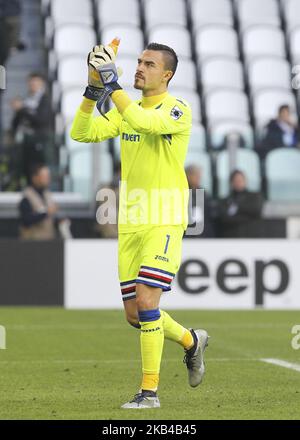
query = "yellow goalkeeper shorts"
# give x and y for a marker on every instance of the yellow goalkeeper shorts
(149, 257)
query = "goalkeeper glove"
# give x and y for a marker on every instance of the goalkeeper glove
(103, 75)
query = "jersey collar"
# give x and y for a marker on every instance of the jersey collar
(150, 101)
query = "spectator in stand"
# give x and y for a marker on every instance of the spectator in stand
(10, 25)
(240, 212)
(280, 132)
(37, 208)
(199, 211)
(31, 128)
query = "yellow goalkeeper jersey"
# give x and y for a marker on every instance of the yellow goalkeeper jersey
(154, 134)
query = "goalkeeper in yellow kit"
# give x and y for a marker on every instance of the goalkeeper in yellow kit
(154, 133)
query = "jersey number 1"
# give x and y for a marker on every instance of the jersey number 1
(167, 244)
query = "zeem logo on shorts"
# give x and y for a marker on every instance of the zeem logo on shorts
(224, 274)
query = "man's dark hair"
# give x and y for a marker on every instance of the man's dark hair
(170, 57)
(37, 75)
(35, 169)
(236, 173)
(283, 107)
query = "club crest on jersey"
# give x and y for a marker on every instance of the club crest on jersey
(176, 113)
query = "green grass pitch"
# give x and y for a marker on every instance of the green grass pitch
(67, 364)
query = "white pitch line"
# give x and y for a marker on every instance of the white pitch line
(282, 363)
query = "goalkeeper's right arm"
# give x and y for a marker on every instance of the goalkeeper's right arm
(87, 128)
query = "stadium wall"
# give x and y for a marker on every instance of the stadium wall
(214, 274)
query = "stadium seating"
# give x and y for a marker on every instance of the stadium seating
(70, 101)
(219, 130)
(185, 69)
(269, 72)
(128, 65)
(254, 12)
(80, 164)
(207, 42)
(294, 41)
(202, 160)
(205, 12)
(262, 41)
(159, 12)
(198, 138)
(267, 102)
(118, 12)
(221, 72)
(247, 161)
(282, 173)
(75, 64)
(291, 11)
(216, 40)
(177, 37)
(132, 42)
(226, 104)
(67, 12)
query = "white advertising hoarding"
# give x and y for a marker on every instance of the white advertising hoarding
(214, 274)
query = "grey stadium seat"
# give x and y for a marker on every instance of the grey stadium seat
(185, 75)
(73, 39)
(132, 39)
(219, 130)
(118, 12)
(282, 173)
(198, 138)
(247, 161)
(263, 40)
(216, 40)
(291, 9)
(253, 12)
(294, 41)
(221, 72)
(76, 64)
(175, 36)
(70, 101)
(159, 12)
(227, 104)
(269, 72)
(205, 12)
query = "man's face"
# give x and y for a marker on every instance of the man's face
(151, 72)
(42, 178)
(35, 84)
(238, 182)
(194, 178)
(285, 115)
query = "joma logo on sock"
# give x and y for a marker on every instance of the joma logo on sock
(159, 257)
(131, 137)
(151, 330)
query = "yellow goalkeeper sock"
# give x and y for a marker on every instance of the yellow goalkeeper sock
(176, 332)
(152, 341)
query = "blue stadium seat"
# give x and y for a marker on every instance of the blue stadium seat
(283, 175)
(247, 161)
